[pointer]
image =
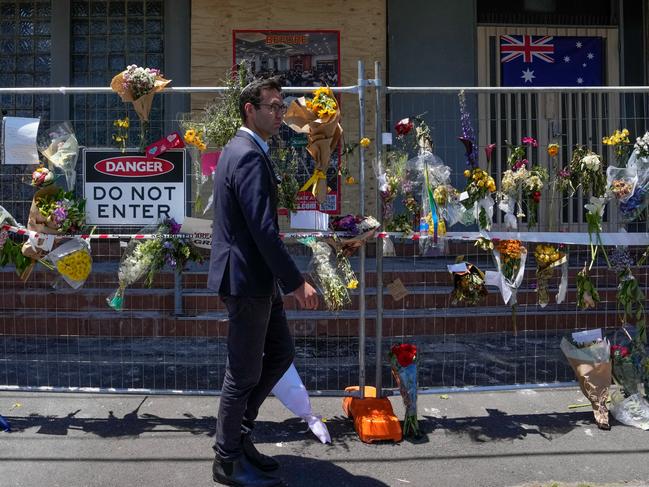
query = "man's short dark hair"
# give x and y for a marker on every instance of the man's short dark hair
(252, 93)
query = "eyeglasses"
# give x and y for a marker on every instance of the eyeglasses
(275, 108)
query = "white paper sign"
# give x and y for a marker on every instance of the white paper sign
(464, 196)
(386, 138)
(461, 267)
(310, 220)
(587, 336)
(200, 229)
(19, 140)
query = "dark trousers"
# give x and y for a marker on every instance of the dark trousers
(260, 350)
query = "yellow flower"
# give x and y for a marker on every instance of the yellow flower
(350, 180)
(467, 173)
(353, 284)
(441, 227)
(190, 135)
(364, 142)
(553, 150)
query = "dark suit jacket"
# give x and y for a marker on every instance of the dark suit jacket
(248, 256)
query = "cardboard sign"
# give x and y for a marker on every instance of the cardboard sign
(397, 290)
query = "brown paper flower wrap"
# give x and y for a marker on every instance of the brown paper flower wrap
(323, 135)
(142, 105)
(592, 367)
(39, 223)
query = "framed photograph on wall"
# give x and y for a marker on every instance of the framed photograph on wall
(298, 58)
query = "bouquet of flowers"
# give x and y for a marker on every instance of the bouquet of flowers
(548, 257)
(594, 220)
(619, 140)
(587, 171)
(468, 284)
(319, 118)
(630, 297)
(60, 147)
(325, 274)
(403, 362)
(592, 366)
(638, 169)
(139, 85)
(624, 370)
(477, 196)
(360, 228)
(42, 177)
(146, 257)
(521, 182)
(56, 211)
(73, 261)
(510, 257)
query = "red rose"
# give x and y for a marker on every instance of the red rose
(536, 196)
(403, 127)
(405, 353)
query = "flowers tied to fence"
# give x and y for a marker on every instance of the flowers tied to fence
(139, 85)
(468, 284)
(521, 183)
(403, 364)
(319, 118)
(147, 257)
(42, 177)
(549, 257)
(60, 147)
(326, 273)
(587, 295)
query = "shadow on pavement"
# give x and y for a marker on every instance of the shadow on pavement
(300, 471)
(501, 426)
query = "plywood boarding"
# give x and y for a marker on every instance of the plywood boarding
(362, 37)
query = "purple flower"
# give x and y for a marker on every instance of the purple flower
(174, 227)
(167, 244)
(564, 173)
(468, 136)
(346, 223)
(60, 214)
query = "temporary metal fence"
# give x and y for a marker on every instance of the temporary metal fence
(171, 337)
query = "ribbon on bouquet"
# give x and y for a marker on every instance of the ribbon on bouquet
(508, 206)
(312, 182)
(433, 207)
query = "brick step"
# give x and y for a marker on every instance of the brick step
(430, 272)
(307, 323)
(197, 301)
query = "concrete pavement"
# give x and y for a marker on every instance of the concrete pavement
(514, 438)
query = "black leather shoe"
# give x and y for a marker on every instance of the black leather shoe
(241, 473)
(259, 460)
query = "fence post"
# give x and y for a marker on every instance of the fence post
(361, 209)
(378, 145)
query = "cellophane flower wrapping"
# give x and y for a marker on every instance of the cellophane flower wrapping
(60, 147)
(325, 274)
(403, 362)
(592, 367)
(631, 411)
(548, 257)
(73, 261)
(137, 260)
(636, 203)
(468, 286)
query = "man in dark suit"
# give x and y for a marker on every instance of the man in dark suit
(248, 264)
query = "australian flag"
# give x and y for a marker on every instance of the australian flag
(550, 60)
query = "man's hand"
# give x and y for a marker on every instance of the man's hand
(307, 296)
